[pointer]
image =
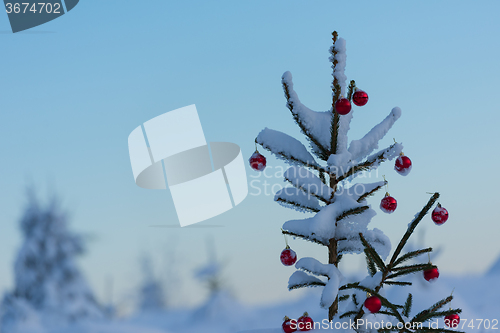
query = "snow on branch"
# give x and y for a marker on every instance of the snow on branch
(376, 238)
(322, 227)
(315, 125)
(315, 267)
(301, 279)
(295, 198)
(361, 191)
(285, 147)
(359, 149)
(339, 60)
(373, 161)
(308, 182)
(331, 289)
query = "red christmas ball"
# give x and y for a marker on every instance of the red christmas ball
(288, 256)
(431, 274)
(289, 325)
(257, 161)
(403, 165)
(343, 106)
(360, 97)
(305, 323)
(388, 204)
(439, 215)
(452, 320)
(373, 304)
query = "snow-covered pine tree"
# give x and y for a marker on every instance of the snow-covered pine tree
(342, 212)
(47, 279)
(151, 293)
(220, 302)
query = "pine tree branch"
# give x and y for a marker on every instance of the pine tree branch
(347, 314)
(343, 298)
(370, 193)
(416, 266)
(322, 177)
(440, 314)
(298, 205)
(323, 152)
(387, 313)
(308, 284)
(305, 190)
(384, 301)
(351, 212)
(366, 165)
(336, 91)
(410, 255)
(371, 265)
(350, 90)
(354, 299)
(407, 306)
(415, 269)
(292, 159)
(307, 238)
(398, 283)
(412, 227)
(370, 251)
(419, 317)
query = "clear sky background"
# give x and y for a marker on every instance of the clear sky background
(73, 89)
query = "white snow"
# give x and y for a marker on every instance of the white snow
(284, 146)
(288, 195)
(300, 278)
(315, 122)
(359, 149)
(341, 57)
(307, 181)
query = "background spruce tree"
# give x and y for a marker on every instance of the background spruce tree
(47, 281)
(321, 182)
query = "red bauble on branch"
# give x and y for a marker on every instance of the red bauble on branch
(257, 161)
(343, 106)
(288, 256)
(402, 165)
(359, 97)
(439, 214)
(452, 320)
(388, 204)
(431, 274)
(289, 325)
(305, 323)
(373, 304)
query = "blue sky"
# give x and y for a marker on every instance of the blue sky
(73, 89)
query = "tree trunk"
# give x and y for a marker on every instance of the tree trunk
(332, 259)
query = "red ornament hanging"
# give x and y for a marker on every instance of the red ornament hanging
(288, 256)
(388, 204)
(305, 323)
(452, 320)
(431, 274)
(257, 161)
(373, 304)
(359, 97)
(343, 106)
(402, 165)
(289, 325)
(439, 214)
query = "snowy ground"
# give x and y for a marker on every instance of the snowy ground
(477, 296)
